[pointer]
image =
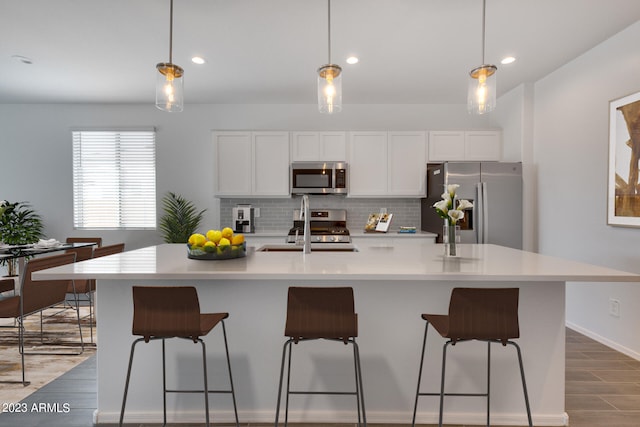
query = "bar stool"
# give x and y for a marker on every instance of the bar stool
(489, 315)
(161, 312)
(321, 313)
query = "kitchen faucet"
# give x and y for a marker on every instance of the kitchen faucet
(306, 233)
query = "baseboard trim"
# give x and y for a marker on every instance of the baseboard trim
(602, 340)
(333, 417)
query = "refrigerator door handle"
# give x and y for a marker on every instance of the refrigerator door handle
(478, 212)
(485, 214)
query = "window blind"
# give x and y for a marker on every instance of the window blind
(114, 180)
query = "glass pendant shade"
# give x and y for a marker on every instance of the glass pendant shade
(169, 87)
(482, 89)
(330, 89)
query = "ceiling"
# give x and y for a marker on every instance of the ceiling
(267, 51)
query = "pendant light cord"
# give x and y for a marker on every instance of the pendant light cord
(171, 33)
(484, 7)
(328, 28)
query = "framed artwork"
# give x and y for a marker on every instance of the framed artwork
(624, 153)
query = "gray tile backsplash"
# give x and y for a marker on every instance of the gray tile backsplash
(277, 214)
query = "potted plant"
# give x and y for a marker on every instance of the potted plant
(19, 225)
(180, 219)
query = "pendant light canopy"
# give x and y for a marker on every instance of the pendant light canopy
(329, 80)
(481, 96)
(169, 80)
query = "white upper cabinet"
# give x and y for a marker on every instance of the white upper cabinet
(318, 146)
(232, 159)
(483, 145)
(465, 145)
(389, 164)
(367, 163)
(270, 163)
(251, 164)
(407, 163)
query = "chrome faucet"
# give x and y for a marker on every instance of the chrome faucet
(306, 234)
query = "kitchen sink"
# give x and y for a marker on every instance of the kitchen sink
(319, 247)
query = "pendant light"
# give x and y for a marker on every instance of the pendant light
(169, 80)
(329, 80)
(481, 97)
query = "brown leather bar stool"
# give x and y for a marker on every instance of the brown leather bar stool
(481, 314)
(161, 312)
(321, 313)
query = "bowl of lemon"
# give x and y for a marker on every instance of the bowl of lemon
(216, 245)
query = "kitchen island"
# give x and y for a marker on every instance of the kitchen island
(393, 285)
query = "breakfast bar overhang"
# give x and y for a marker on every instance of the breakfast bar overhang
(393, 286)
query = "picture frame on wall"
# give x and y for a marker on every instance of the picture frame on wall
(623, 204)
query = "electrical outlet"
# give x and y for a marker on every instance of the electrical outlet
(614, 307)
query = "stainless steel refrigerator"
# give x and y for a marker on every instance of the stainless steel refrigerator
(495, 188)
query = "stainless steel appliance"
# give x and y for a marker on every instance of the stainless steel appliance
(327, 226)
(243, 219)
(319, 178)
(495, 188)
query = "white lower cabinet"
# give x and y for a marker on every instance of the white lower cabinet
(251, 164)
(388, 164)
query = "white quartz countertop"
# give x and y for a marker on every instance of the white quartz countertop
(412, 259)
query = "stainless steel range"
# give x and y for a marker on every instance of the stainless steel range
(327, 226)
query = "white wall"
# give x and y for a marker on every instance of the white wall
(35, 147)
(570, 148)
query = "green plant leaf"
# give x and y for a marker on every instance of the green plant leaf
(180, 220)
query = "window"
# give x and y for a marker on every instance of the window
(114, 180)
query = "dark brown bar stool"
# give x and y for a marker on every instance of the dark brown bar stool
(161, 312)
(489, 315)
(321, 313)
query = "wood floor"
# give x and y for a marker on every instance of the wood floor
(602, 389)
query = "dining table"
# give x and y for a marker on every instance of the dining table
(23, 252)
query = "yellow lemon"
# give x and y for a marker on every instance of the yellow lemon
(227, 232)
(237, 239)
(214, 235)
(197, 239)
(224, 242)
(209, 247)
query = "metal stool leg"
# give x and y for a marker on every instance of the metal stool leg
(206, 383)
(126, 383)
(360, 395)
(415, 406)
(286, 401)
(444, 365)
(284, 353)
(164, 386)
(233, 393)
(524, 383)
(488, 380)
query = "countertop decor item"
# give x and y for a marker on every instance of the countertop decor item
(218, 253)
(451, 210)
(217, 245)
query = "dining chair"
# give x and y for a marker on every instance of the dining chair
(36, 296)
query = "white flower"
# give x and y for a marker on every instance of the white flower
(443, 205)
(464, 204)
(451, 189)
(455, 215)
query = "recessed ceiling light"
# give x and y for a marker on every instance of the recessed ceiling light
(22, 59)
(352, 60)
(507, 60)
(198, 60)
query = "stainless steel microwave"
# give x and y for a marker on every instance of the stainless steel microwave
(319, 178)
